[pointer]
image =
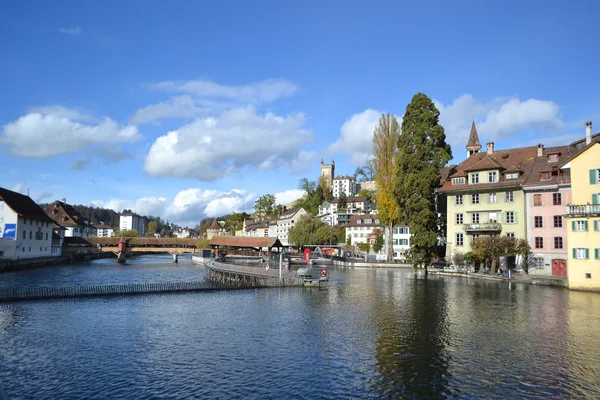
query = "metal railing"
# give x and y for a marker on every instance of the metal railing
(583, 210)
(483, 227)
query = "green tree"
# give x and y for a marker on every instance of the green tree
(129, 233)
(422, 152)
(312, 198)
(378, 241)
(342, 201)
(203, 243)
(366, 172)
(264, 206)
(369, 194)
(305, 232)
(494, 247)
(152, 226)
(385, 139)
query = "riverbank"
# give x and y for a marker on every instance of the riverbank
(29, 263)
(555, 281)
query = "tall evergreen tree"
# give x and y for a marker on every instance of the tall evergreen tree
(385, 141)
(422, 152)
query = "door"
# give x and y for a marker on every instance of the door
(559, 267)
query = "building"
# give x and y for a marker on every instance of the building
(25, 229)
(344, 184)
(400, 241)
(216, 229)
(327, 172)
(360, 226)
(67, 217)
(257, 228)
(484, 194)
(583, 214)
(366, 185)
(185, 233)
(103, 230)
(547, 192)
(287, 221)
(130, 221)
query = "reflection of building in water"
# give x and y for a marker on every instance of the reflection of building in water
(581, 345)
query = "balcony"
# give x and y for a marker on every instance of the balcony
(583, 210)
(483, 227)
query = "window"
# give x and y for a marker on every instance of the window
(552, 157)
(459, 239)
(459, 219)
(475, 218)
(474, 178)
(24, 235)
(475, 198)
(30, 235)
(513, 175)
(594, 176)
(580, 254)
(377, 221)
(492, 176)
(580, 226)
(556, 199)
(558, 221)
(492, 198)
(510, 197)
(510, 234)
(545, 175)
(510, 217)
(459, 199)
(537, 200)
(475, 235)
(493, 217)
(539, 242)
(538, 222)
(558, 242)
(458, 181)
(359, 221)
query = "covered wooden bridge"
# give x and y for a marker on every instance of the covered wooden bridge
(244, 246)
(144, 245)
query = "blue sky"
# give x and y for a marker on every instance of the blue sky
(196, 108)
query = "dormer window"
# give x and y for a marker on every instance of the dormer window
(474, 178)
(368, 221)
(513, 175)
(376, 221)
(545, 175)
(492, 176)
(458, 181)
(359, 221)
(553, 157)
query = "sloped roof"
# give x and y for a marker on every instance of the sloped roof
(289, 213)
(543, 165)
(59, 209)
(484, 164)
(102, 226)
(362, 217)
(357, 199)
(245, 242)
(214, 225)
(24, 205)
(473, 142)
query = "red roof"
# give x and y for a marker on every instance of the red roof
(245, 242)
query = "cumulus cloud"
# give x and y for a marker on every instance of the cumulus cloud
(47, 134)
(356, 136)
(213, 147)
(500, 118)
(73, 31)
(288, 196)
(176, 107)
(189, 206)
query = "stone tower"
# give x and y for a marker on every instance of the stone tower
(328, 172)
(473, 145)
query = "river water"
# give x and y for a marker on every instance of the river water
(371, 333)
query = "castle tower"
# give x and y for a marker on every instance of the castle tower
(473, 145)
(328, 172)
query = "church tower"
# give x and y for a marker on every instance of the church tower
(328, 172)
(473, 145)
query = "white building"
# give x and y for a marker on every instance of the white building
(344, 184)
(130, 221)
(73, 223)
(400, 241)
(273, 229)
(286, 221)
(360, 226)
(185, 233)
(25, 229)
(103, 230)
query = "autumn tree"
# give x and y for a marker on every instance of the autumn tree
(366, 172)
(495, 247)
(385, 139)
(422, 152)
(378, 240)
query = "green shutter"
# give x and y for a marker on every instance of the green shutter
(593, 176)
(585, 226)
(597, 254)
(574, 252)
(595, 198)
(587, 254)
(515, 216)
(597, 225)
(573, 226)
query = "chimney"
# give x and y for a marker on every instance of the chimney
(490, 147)
(540, 150)
(588, 132)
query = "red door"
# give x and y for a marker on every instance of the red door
(559, 267)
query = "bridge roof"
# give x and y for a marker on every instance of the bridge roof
(245, 242)
(142, 241)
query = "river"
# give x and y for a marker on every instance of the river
(371, 333)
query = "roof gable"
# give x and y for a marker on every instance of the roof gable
(24, 205)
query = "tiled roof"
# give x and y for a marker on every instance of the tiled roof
(102, 226)
(344, 177)
(24, 205)
(65, 214)
(244, 242)
(289, 213)
(362, 217)
(357, 199)
(473, 142)
(522, 158)
(214, 225)
(543, 165)
(578, 147)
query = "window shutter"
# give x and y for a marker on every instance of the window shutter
(574, 252)
(504, 217)
(587, 253)
(515, 217)
(597, 225)
(573, 226)
(597, 254)
(595, 198)
(593, 176)
(585, 226)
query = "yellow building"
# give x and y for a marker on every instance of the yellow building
(584, 216)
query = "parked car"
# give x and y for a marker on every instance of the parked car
(439, 264)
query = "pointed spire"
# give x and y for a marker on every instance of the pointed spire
(473, 144)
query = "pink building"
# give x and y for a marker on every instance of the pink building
(547, 193)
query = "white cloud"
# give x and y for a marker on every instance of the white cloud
(176, 107)
(211, 148)
(500, 118)
(288, 196)
(19, 187)
(265, 91)
(357, 136)
(73, 31)
(42, 135)
(189, 206)
(64, 112)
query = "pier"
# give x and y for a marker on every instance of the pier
(258, 275)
